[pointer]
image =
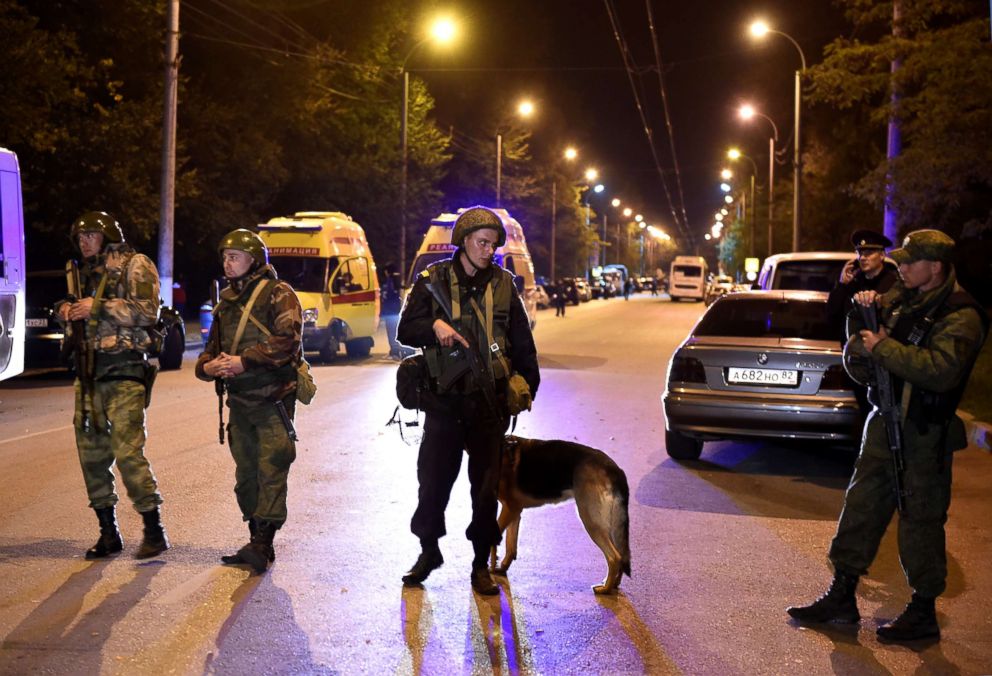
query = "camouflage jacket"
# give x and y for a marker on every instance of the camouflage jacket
(937, 369)
(270, 360)
(129, 304)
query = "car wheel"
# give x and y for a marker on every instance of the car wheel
(173, 347)
(329, 350)
(359, 347)
(682, 447)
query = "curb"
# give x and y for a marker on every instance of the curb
(979, 433)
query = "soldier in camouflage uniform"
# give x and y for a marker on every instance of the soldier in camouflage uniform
(119, 304)
(931, 333)
(259, 373)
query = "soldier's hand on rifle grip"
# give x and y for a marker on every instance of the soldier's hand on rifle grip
(80, 309)
(446, 335)
(871, 339)
(865, 298)
(214, 367)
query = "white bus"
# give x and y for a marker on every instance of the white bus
(687, 278)
(11, 268)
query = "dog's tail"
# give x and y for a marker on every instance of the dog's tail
(620, 520)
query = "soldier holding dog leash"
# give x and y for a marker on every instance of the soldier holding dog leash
(467, 303)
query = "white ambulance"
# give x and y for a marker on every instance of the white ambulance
(325, 257)
(513, 256)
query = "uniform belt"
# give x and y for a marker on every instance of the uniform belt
(109, 379)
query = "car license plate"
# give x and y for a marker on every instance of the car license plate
(739, 375)
(42, 323)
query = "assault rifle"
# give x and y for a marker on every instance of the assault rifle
(888, 408)
(76, 345)
(467, 359)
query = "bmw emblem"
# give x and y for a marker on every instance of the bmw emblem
(762, 358)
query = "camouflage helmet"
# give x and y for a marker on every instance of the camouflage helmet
(247, 241)
(477, 218)
(97, 221)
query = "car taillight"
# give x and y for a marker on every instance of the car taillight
(835, 378)
(686, 370)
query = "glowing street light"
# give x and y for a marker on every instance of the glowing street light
(627, 212)
(443, 30)
(571, 153)
(718, 216)
(759, 29)
(724, 211)
(747, 112)
(598, 188)
(726, 174)
(525, 108)
(734, 154)
(638, 218)
(725, 187)
(615, 202)
(591, 174)
(729, 199)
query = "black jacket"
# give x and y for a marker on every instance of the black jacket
(416, 327)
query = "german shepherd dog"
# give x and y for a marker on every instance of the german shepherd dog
(535, 472)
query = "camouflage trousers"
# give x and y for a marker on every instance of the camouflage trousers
(262, 452)
(870, 504)
(122, 405)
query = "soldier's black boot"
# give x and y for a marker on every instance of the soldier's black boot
(154, 541)
(259, 552)
(110, 542)
(236, 558)
(838, 605)
(482, 579)
(430, 559)
(918, 620)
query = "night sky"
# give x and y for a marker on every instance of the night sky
(565, 57)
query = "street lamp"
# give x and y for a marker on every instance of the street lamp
(759, 29)
(524, 109)
(735, 154)
(747, 112)
(442, 31)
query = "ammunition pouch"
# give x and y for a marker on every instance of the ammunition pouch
(306, 388)
(518, 395)
(414, 386)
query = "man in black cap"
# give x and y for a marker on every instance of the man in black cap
(868, 272)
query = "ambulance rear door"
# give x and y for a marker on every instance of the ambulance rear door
(354, 296)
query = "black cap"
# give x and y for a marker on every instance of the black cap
(869, 239)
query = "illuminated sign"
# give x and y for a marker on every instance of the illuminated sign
(441, 247)
(294, 251)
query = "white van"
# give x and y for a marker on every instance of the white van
(687, 278)
(513, 256)
(325, 257)
(11, 267)
(803, 270)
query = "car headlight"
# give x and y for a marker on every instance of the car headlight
(310, 316)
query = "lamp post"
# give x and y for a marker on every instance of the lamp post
(747, 112)
(760, 29)
(570, 154)
(524, 109)
(443, 31)
(734, 154)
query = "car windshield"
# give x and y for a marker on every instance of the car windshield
(304, 273)
(820, 275)
(767, 318)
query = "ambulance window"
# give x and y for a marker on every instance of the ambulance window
(303, 273)
(352, 276)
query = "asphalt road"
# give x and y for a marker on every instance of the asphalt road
(719, 547)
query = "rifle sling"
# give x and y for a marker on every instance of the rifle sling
(246, 315)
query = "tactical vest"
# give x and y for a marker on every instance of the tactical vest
(227, 316)
(468, 322)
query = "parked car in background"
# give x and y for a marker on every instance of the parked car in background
(585, 291)
(44, 335)
(541, 297)
(687, 278)
(759, 364)
(719, 286)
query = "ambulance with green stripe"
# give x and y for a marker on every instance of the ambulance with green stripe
(326, 258)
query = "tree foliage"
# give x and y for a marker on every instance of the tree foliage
(943, 105)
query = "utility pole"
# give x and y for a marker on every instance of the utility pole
(167, 193)
(890, 226)
(554, 224)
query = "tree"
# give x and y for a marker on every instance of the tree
(943, 176)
